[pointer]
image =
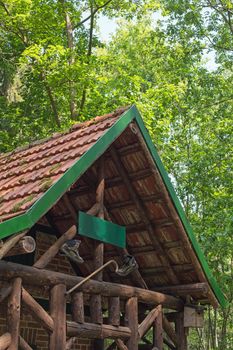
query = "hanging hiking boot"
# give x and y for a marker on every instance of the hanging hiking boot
(129, 265)
(70, 249)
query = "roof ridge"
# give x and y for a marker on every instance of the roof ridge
(119, 111)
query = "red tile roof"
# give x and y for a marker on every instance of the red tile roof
(26, 173)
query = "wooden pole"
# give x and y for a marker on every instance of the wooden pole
(54, 249)
(5, 341)
(158, 330)
(181, 332)
(10, 243)
(37, 277)
(78, 307)
(185, 289)
(13, 313)
(114, 311)
(37, 311)
(96, 331)
(169, 330)
(148, 321)
(98, 259)
(131, 319)
(25, 245)
(58, 312)
(98, 256)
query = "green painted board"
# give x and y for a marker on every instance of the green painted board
(101, 230)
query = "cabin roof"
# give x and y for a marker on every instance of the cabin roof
(34, 179)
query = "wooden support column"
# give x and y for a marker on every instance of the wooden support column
(131, 319)
(158, 330)
(98, 259)
(37, 311)
(13, 313)
(114, 311)
(58, 313)
(78, 307)
(181, 332)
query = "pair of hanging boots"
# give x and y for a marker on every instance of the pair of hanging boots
(71, 250)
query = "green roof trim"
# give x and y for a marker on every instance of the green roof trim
(55, 192)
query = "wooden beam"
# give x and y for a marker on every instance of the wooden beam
(148, 321)
(44, 319)
(25, 245)
(169, 331)
(5, 341)
(13, 313)
(120, 344)
(158, 330)
(23, 344)
(96, 331)
(54, 249)
(77, 307)
(131, 320)
(175, 217)
(141, 209)
(185, 289)
(10, 243)
(58, 312)
(39, 277)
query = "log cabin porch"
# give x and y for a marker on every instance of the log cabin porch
(109, 169)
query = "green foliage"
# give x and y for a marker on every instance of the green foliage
(55, 71)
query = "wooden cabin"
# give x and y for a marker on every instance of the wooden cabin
(103, 182)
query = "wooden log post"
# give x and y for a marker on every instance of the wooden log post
(114, 311)
(78, 307)
(54, 249)
(5, 341)
(158, 330)
(44, 319)
(98, 259)
(13, 313)
(181, 332)
(131, 320)
(58, 313)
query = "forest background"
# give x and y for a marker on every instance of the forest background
(55, 71)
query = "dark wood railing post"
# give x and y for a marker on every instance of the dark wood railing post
(158, 330)
(13, 313)
(58, 314)
(181, 332)
(131, 320)
(78, 307)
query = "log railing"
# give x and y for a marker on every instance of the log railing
(122, 300)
